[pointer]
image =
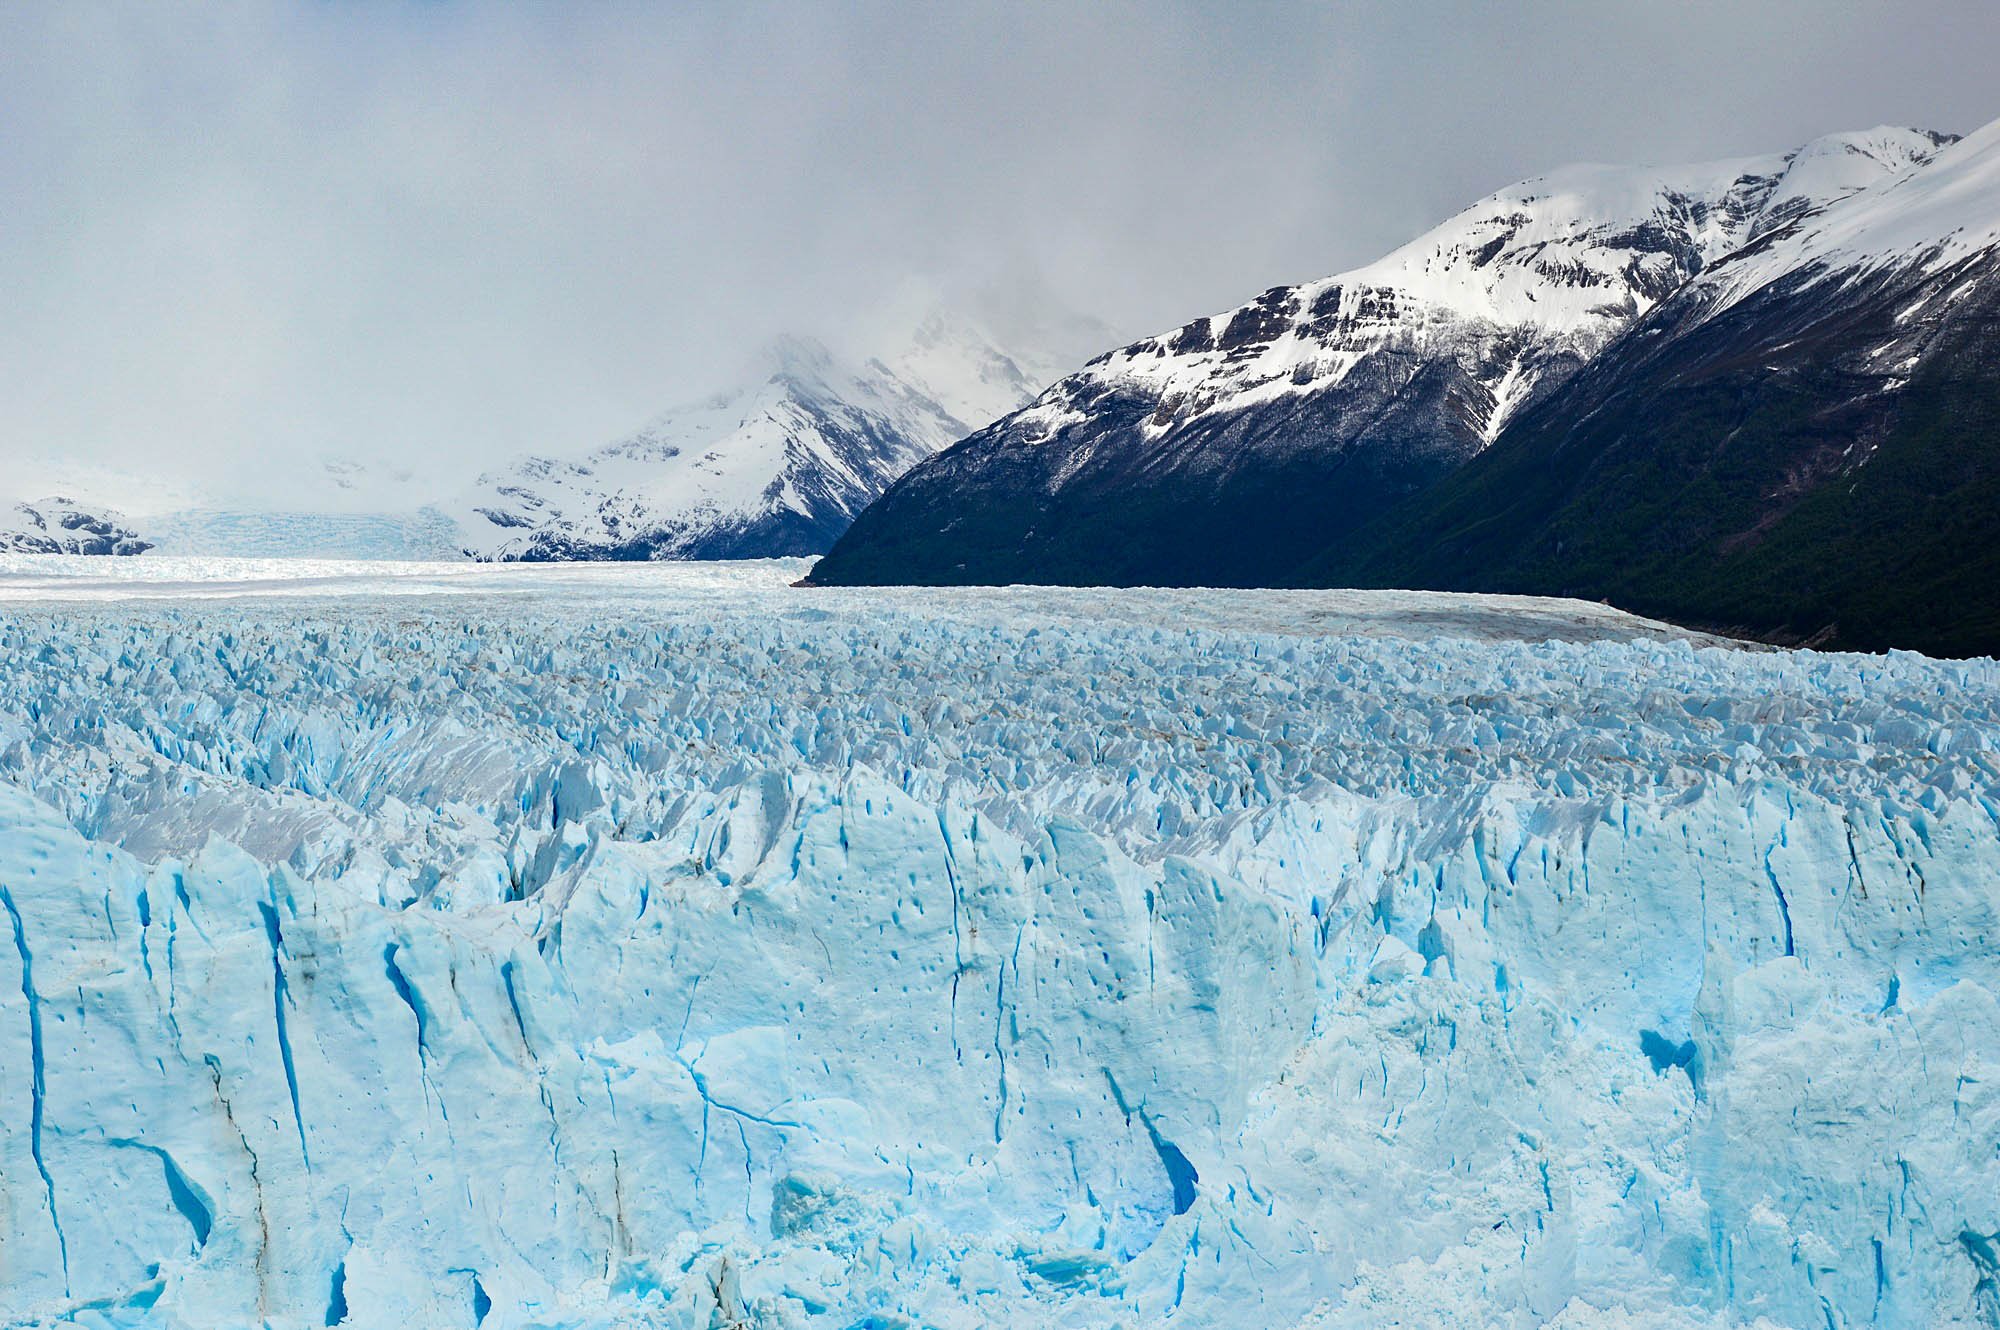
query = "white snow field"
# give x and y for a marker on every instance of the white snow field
(401, 945)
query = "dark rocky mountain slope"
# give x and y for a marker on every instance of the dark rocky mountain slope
(1236, 448)
(1803, 444)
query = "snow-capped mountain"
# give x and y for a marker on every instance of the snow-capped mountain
(1802, 442)
(1230, 449)
(776, 468)
(64, 526)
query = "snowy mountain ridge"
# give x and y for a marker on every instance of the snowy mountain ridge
(773, 469)
(1929, 219)
(1802, 442)
(1514, 286)
(1240, 447)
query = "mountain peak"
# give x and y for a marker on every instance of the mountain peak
(794, 355)
(778, 466)
(1939, 210)
(59, 525)
(1835, 165)
(957, 362)
(1228, 450)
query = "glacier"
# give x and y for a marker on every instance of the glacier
(665, 946)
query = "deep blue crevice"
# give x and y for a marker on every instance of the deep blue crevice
(200, 1218)
(336, 1301)
(399, 982)
(1181, 1175)
(514, 1004)
(38, 1078)
(1000, 1050)
(1663, 1052)
(1784, 906)
(279, 992)
(187, 1198)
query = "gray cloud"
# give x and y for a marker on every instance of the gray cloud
(233, 237)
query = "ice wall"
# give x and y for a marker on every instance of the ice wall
(685, 970)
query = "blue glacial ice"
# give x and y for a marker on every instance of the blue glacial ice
(731, 956)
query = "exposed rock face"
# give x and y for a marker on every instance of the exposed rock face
(63, 526)
(1233, 449)
(1803, 442)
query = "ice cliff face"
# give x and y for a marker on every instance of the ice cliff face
(687, 956)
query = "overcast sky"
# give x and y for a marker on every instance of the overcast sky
(235, 238)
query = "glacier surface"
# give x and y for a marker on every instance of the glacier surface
(664, 946)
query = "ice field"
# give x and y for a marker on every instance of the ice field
(661, 945)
